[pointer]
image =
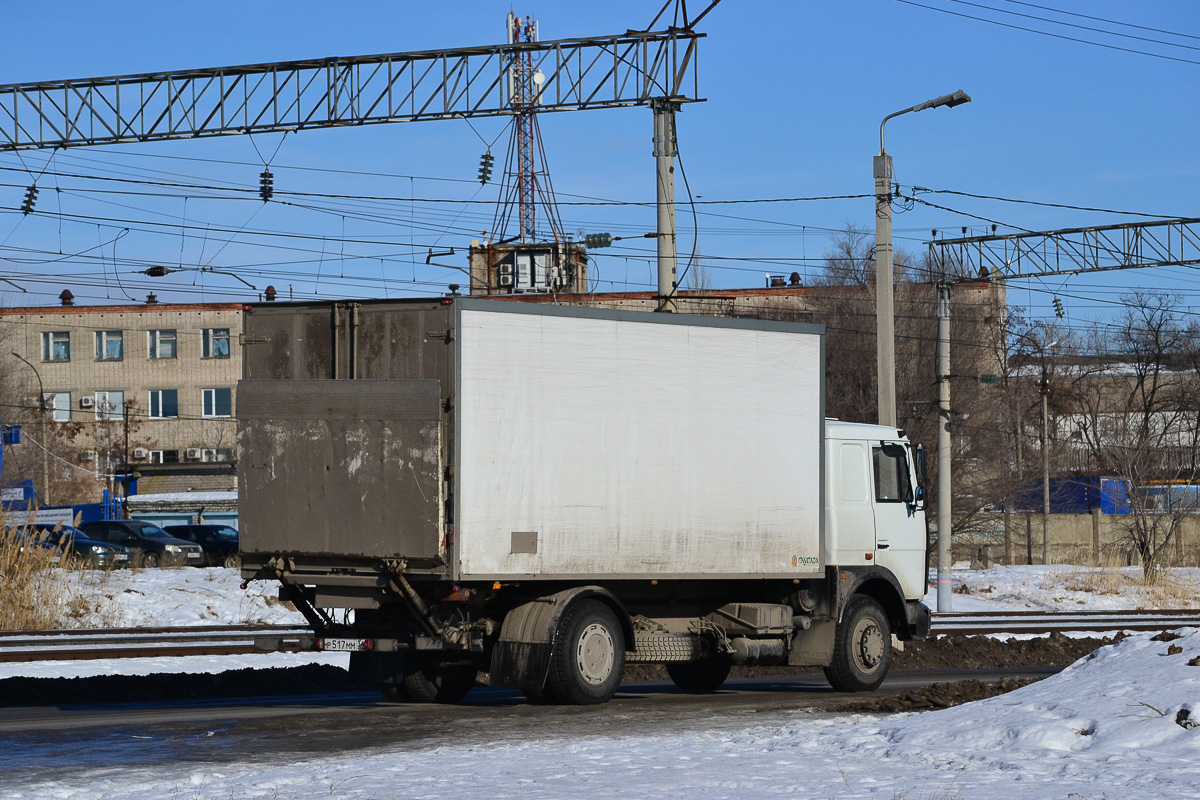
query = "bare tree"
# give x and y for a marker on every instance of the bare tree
(1136, 404)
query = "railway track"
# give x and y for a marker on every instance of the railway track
(221, 640)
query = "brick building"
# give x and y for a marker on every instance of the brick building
(152, 386)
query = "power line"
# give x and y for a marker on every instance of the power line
(1048, 33)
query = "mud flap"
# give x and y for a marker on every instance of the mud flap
(521, 656)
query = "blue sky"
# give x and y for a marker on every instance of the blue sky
(795, 93)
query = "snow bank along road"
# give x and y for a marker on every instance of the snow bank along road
(1117, 725)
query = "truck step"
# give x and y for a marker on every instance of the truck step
(660, 648)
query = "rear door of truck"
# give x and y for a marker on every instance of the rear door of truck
(341, 468)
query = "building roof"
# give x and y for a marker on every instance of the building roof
(122, 309)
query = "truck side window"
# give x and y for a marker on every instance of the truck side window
(891, 476)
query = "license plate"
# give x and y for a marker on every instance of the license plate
(345, 645)
(193, 555)
(121, 558)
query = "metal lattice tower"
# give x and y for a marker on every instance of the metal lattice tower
(526, 182)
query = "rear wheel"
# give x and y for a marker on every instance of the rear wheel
(439, 683)
(394, 693)
(705, 675)
(862, 648)
(589, 656)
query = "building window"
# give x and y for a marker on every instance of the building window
(110, 406)
(57, 405)
(162, 344)
(216, 343)
(110, 345)
(56, 346)
(217, 402)
(217, 454)
(164, 456)
(164, 403)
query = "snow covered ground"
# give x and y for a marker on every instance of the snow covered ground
(1115, 726)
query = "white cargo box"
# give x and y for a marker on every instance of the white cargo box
(634, 445)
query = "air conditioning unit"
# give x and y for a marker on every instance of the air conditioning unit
(506, 275)
(192, 454)
(87, 455)
(87, 402)
(140, 453)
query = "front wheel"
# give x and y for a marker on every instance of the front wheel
(231, 562)
(150, 560)
(862, 647)
(588, 661)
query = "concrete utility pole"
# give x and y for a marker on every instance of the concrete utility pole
(664, 156)
(945, 598)
(885, 318)
(1045, 463)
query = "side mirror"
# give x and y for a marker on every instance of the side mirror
(919, 461)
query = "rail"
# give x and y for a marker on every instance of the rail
(217, 640)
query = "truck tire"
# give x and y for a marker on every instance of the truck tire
(862, 648)
(588, 661)
(394, 692)
(705, 675)
(438, 683)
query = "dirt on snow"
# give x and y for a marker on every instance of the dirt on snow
(955, 652)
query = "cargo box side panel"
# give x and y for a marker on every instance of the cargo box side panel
(341, 468)
(594, 446)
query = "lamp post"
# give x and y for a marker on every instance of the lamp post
(42, 430)
(885, 326)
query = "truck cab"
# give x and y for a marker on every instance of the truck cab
(874, 503)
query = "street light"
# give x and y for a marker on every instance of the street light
(885, 328)
(42, 433)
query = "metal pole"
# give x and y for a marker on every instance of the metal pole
(42, 429)
(945, 599)
(1045, 466)
(885, 321)
(664, 156)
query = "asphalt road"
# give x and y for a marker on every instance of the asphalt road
(56, 740)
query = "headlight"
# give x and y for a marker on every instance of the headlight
(171, 548)
(98, 549)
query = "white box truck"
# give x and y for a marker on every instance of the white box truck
(531, 495)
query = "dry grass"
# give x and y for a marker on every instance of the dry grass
(33, 589)
(40, 587)
(1162, 588)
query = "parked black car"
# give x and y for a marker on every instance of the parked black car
(220, 542)
(149, 545)
(78, 549)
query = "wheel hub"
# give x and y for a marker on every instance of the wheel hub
(595, 654)
(870, 645)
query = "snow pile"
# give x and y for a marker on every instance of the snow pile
(1116, 726)
(175, 597)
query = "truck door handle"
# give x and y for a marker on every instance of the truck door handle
(882, 545)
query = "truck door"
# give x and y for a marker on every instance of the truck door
(341, 467)
(899, 527)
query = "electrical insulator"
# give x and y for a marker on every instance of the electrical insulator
(266, 185)
(1058, 308)
(156, 272)
(594, 240)
(30, 199)
(485, 167)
